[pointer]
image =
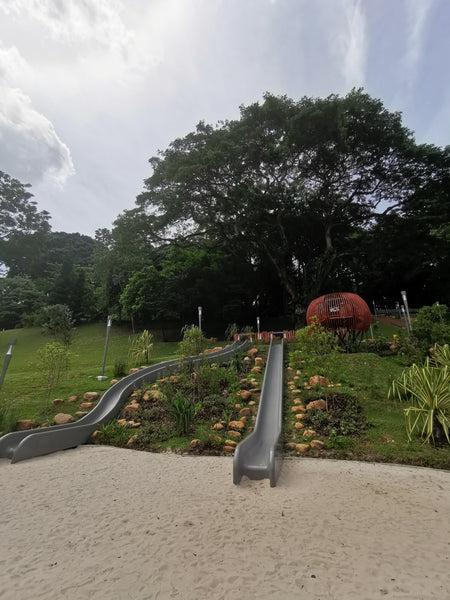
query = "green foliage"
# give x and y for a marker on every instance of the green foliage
(317, 348)
(230, 331)
(53, 360)
(113, 433)
(432, 326)
(56, 320)
(120, 368)
(428, 389)
(7, 416)
(182, 411)
(141, 348)
(441, 355)
(193, 343)
(19, 298)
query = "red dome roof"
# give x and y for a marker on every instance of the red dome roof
(340, 310)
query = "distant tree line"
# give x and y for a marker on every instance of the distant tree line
(255, 216)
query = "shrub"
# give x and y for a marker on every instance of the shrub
(113, 433)
(141, 348)
(432, 326)
(182, 411)
(53, 364)
(57, 321)
(193, 342)
(120, 367)
(230, 331)
(428, 389)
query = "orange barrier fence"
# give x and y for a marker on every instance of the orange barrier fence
(265, 336)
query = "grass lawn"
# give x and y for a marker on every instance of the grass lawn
(24, 383)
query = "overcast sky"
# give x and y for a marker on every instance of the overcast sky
(91, 89)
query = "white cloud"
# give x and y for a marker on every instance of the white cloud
(30, 148)
(353, 43)
(418, 12)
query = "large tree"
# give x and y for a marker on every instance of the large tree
(289, 182)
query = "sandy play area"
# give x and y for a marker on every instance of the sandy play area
(104, 523)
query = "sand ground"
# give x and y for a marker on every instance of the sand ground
(110, 524)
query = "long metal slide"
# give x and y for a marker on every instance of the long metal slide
(259, 456)
(21, 445)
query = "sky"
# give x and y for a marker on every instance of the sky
(91, 89)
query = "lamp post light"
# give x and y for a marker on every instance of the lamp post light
(405, 302)
(200, 318)
(7, 360)
(257, 325)
(103, 377)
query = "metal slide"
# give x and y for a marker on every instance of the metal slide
(259, 455)
(21, 445)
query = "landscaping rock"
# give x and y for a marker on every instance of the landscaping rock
(252, 403)
(194, 443)
(133, 406)
(91, 396)
(319, 380)
(244, 412)
(25, 424)
(237, 406)
(234, 434)
(297, 401)
(122, 422)
(58, 401)
(290, 445)
(298, 408)
(72, 399)
(318, 404)
(132, 439)
(131, 371)
(253, 351)
(113, 381)
(231, 443)
(317, 444)
(309, 433)
(217, 426)
(302, 448)
(62, 419)
(299, 425)
(243, 419)
(300, 416)
(229, 449)
(296, 391)
(81, 413)
(236, 425)
(86, 405)
(245, 395)
(256, 369)
(259, 360)
(95, 434)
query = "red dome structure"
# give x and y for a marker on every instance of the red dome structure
(341, 312)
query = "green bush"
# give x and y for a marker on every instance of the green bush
(193, 342)
(120, 368)
(113, 433)
(53, 361)
(432, 326)
(183, 411)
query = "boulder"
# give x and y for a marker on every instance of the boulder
(58, 401)
(234, 434)
(243, 419)
(133, 406)
(62, 419)
(309, 433)
(299, 425)
(194, 443)
(259, 360)
(244, 412)
(72, 399)
(91, 396)
(131, 371)
(300, 416)
(319, 380)
(245, 395)
(231, 443)
(297, 401)
(317, 444)
(217, 426)
(298, 408)
(86, 405)
(229, 449)
(318, 404)
(253, 351)
(25, 424)
(236, 425)
(302, 448)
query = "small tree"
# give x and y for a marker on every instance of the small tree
(193, 342)
(432, 326)
(53, 363)
(56, 320)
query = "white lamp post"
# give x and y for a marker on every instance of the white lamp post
(200, 318)
(103, 377)
(405, 302)
(7, 361)
(257, 325)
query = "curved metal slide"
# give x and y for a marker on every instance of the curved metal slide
(21, 445)
(259, 455)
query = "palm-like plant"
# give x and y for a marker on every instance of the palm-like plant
(441, 355)
(428, 388)
(141, 348)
